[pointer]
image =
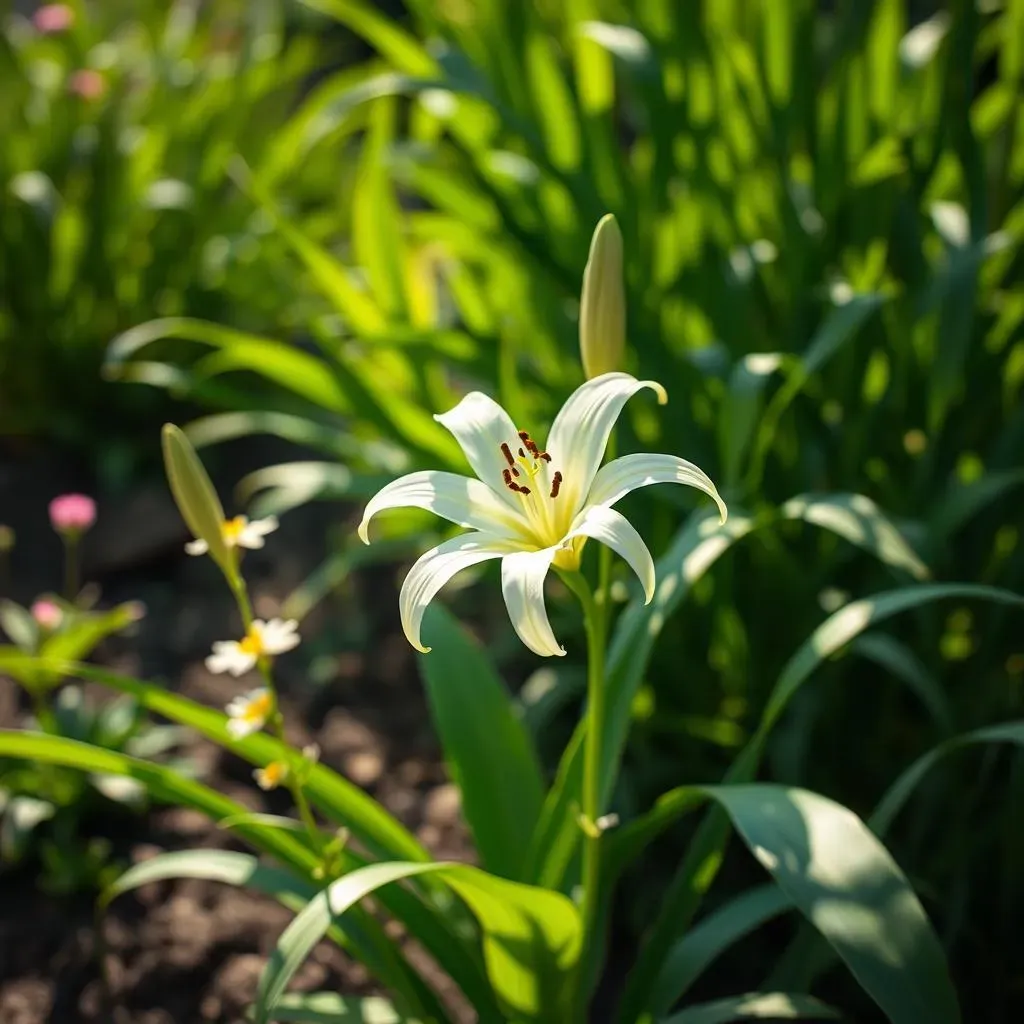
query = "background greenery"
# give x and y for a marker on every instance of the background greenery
(822, 212)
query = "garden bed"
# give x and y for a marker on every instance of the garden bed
(192, 950)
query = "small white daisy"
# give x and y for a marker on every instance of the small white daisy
(239, 532)
(248, 713)
(263, 640)
(271, 776)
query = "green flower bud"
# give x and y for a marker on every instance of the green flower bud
(195, 496)
(603, 302)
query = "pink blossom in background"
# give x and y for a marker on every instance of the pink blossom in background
(53, 18)
(72, 513)
(47, 613)
(88, 84)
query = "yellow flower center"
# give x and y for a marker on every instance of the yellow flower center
(257, 709)
(251, 643)
(274, 774)
(232, 530)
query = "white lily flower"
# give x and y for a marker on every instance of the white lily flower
(530, 507)
(263, 640)
(248, 713)
(240, 532)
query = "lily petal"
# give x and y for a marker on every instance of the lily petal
(581, 429)
(434, 569)
(459, 499)
(522, 583)
(620, 476)
(615, 530)
(481, 426)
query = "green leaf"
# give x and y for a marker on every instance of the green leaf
(240, 869)
(338, 799)
(756, 1006)
(852, 620)
(705, 852)
(161, 782)
(698, 545)
(489, 754)
(687, 960)
(282, 364)
(402, 49)
(900, 660)
(900, 791)
(331, 1008)
(839, 328)
(846, 883)
(806, 956)
(860, 521)
(19, 625)
(531, 936)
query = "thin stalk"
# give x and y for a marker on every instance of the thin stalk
(595, 619)
(276, 720)
(71, 575)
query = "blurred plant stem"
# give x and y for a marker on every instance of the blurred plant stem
(276, 720)
(71, 572)
(595, 622)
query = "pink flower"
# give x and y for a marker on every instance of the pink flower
(87, 84)
(47, 613)
(53, 18)
(72, 513)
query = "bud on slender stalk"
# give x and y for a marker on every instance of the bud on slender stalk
(603, 302)
(195, 496)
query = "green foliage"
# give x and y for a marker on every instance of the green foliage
(821, 212)
(114, 202)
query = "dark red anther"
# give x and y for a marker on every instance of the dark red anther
(515, 472)
(522, 454)
(524, 437)
(507, 477)
(507, 452)
(524, 490)
(556, 482)
(544, 456)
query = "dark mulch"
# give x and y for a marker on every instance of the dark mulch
(192, 951)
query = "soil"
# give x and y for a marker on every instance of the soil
(192, 951)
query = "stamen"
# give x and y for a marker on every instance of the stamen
(507, 452)
(515, 472)
(556, 482)
(544, 456)
(524, 490)
(522, 454)
(507, 477)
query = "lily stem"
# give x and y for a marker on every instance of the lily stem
(595, 621)
(276, 719)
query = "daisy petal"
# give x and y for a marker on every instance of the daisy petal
(278, 635)
(228, 656)
(581, 429)
(623, 475)
(459, 499)
(481, 426)
(434, 569)
(239, 728)
(613, 529)
(522, 584)
(252, 534)
(197, 547)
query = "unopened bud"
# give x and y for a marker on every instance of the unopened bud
(195, 495)
(603, 302)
